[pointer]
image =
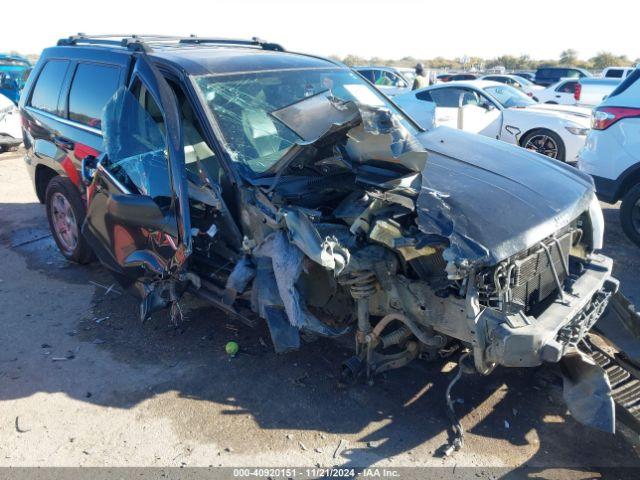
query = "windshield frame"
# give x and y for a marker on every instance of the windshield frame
(242, 170)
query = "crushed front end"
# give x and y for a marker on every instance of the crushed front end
(420, 246)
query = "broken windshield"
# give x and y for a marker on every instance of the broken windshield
(244, 106)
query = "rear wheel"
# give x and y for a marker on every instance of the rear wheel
(545, 142)
(630, 214)
(66, 212)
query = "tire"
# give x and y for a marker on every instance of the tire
(66, 213)
(630, 221)
(543, 132)
(551, 103)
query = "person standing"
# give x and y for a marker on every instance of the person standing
(421, 80)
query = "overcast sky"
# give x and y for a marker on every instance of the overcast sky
(388, 29)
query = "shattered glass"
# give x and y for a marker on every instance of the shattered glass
(135, 145)
(246, 107)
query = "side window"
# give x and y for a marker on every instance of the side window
(197, 153)
(368, 74)
(567, 87)
(469, 97)
(47, 90)
(424, 96)
(136, 146)
(447, 97)
(92, 87)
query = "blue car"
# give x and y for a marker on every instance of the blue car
(14, 71)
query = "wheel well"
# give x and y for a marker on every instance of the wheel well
(627, 184)
(44, 175)
(524, 135)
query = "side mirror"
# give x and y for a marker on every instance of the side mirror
(488, 106)
(89, 166)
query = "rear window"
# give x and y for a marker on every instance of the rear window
(614, 73)
(567, 87)
(626, 83)
(92, 87)
(47, 90)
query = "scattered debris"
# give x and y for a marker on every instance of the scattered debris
(506, 424)
(100, 320)
(99, 341)
(300, 380)
(318, 450)
(339, 449)
(69, 356)
(289, 436)
(302, 446)
(88, 395)
(108, 289)
(45, 345)
(18, 429)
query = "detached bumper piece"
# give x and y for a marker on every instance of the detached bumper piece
(518, 340)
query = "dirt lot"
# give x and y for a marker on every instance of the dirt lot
(83, 382)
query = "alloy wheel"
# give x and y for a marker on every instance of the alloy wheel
(543, 144)
(64, 222)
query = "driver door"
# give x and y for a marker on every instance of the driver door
(137, 218)
(478, 114)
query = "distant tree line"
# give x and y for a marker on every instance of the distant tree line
(568, 57)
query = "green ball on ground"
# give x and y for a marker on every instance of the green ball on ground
(231, 348)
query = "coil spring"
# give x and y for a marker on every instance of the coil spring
(361, 284)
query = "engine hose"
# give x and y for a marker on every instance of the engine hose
(431, 341)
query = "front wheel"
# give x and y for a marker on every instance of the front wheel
(66, 212)
(545, 142)
(630, 214)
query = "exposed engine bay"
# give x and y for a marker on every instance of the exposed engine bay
(353, 235)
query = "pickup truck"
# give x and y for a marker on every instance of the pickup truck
(591, 91)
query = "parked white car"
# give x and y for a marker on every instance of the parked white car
(10, 126)
(590, 92)
(503, 112)
(516, 81)
(611, 154)
(560, 93)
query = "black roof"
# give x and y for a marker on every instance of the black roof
(205, 60)
(204, 55)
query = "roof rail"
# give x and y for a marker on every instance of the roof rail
(145, 42)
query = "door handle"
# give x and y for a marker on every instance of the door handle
(64, 143)
(557, 96)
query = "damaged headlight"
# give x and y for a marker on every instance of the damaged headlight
(597, 223)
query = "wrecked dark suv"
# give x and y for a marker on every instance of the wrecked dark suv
(285, 187)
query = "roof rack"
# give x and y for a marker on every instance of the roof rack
(145, 43)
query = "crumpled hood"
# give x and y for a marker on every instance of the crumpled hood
(491, 199)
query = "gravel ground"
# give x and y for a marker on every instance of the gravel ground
(84, 383)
